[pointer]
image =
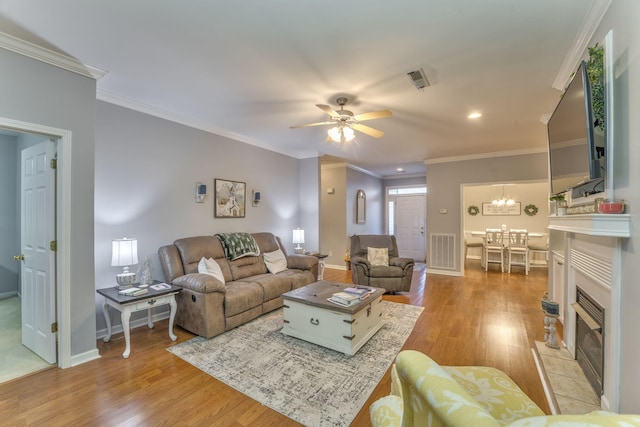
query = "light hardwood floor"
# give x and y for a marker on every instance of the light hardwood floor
(485, 318)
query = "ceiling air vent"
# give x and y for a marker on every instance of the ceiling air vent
(418, 78)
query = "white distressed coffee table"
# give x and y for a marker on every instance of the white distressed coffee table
(310, 317)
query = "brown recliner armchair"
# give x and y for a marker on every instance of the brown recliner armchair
(395, 277)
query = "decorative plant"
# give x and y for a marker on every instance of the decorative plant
(556, 197)
(595, 71)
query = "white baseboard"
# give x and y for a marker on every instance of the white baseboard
(444, 272)
(336, 267)
(4, 295)
(85, 357)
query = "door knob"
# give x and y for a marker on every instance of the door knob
(18, 257)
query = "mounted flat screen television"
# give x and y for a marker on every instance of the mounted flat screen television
(576, 149)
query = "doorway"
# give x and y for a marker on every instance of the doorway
(406, 219)
(531, 198)
(28, 294)
(62, 265)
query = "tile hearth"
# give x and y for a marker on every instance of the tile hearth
(571, 393)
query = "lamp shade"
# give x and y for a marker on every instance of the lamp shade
(298, 236)
(124, 252)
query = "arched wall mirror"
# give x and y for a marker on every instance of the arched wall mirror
(361, 207)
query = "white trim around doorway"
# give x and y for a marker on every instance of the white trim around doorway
(63, 229)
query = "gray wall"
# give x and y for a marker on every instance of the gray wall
(338, 210)
(42, 94)
(333, 218)
(444, 182)
(146, 170)
(309, 180)
(9, 225)
(372, 187)
(399, 182)
(622, 19)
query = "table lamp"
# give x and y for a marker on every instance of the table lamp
(124, 252)
(298, 238)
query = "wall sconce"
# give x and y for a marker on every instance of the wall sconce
(255, 200)
(201, 192)
(298, 238)
(124, 252)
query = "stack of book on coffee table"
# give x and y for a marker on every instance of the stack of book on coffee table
(351, 295)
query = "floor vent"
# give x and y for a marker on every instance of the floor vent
(442, 251)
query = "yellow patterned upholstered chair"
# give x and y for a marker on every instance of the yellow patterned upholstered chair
(427, 395)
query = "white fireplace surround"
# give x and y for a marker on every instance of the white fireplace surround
(592, 253)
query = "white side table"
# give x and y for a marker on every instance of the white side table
(321, 258)
(127, 305)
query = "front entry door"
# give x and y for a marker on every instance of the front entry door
(37, 232)
(410, 226)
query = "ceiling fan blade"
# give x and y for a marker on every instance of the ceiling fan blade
(330, 111)
(367, 130)
(373, 115)
(311, 124)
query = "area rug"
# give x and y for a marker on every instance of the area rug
(312, 385)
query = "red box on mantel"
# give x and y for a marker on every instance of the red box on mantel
(611, 207)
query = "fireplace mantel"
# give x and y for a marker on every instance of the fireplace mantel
(611, 225)
(593, 255)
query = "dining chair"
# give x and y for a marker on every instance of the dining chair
(473, 242)
(494, 244)
(539, 246)
(518, 249)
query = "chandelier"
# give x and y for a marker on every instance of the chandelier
(341, 134)
(502, 200)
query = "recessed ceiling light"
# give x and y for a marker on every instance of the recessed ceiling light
(474, 115)
(399, 170)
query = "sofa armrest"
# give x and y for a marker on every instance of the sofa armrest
(301, 262)
(386, 412)
(203, 283)
(401, 262)
(360, 260)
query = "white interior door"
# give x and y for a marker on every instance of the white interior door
(37, 231)
(410, 226)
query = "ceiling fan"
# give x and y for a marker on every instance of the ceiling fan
(345, 122)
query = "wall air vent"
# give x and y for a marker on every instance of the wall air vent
(419, 79)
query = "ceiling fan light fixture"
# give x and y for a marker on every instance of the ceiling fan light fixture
(341, 134)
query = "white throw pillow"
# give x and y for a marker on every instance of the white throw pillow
(378, 256)
(211, 267)
(275, 261)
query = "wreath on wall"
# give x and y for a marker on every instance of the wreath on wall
(531, 210)
(473, 210)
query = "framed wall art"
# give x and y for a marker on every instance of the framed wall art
(489, 208)
(230, 199)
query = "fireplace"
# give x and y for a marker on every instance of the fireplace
(590, 338)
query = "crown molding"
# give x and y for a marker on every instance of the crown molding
(405, 175)
(589, 26)
(480, 156)
(346, 165)
(48, 56)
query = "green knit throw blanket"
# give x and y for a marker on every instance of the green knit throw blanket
(238, 245)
